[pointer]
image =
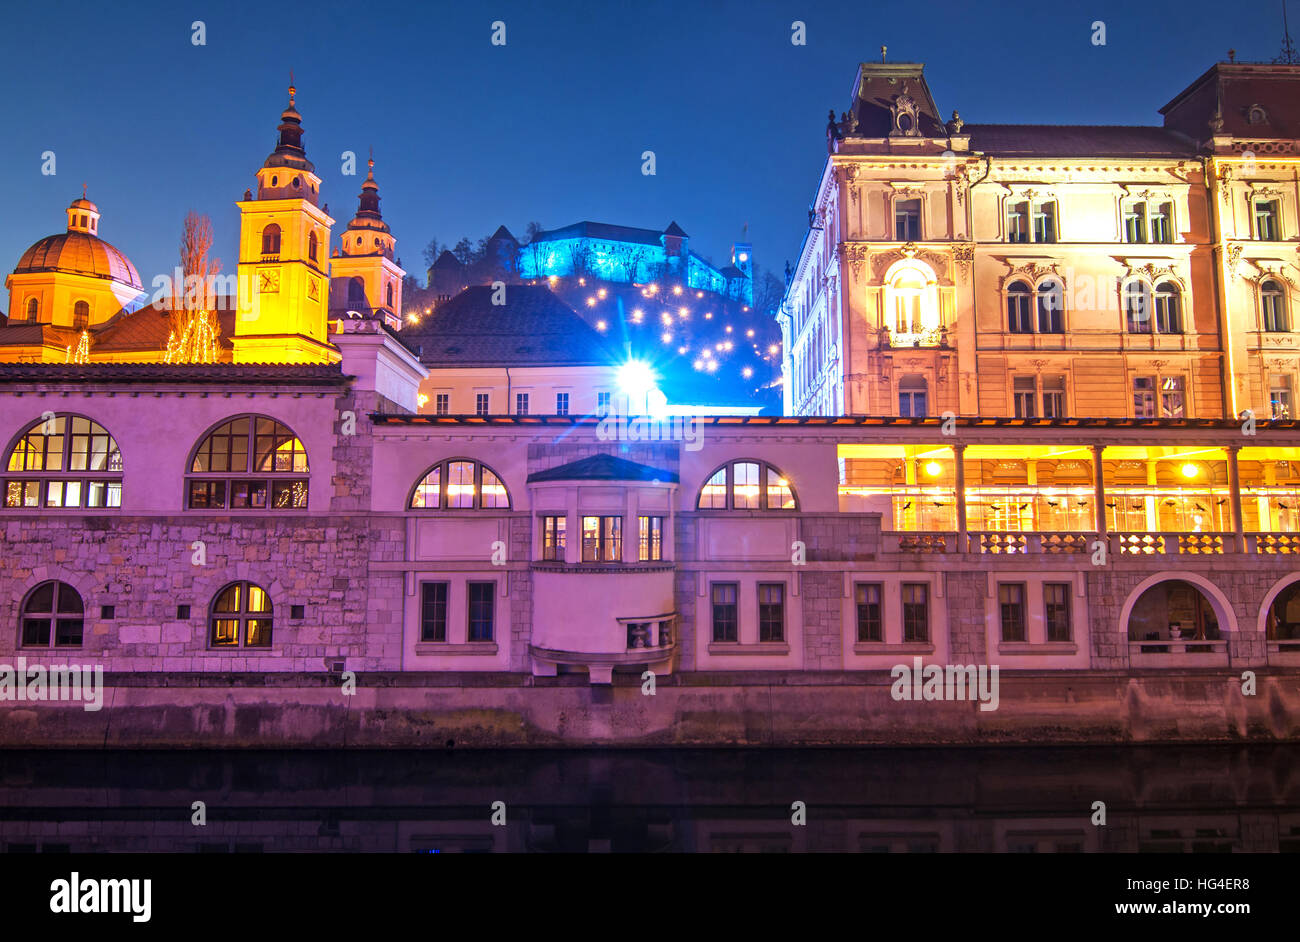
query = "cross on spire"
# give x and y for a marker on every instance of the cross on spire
(83, 191)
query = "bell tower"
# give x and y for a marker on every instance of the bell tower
(284, 239)
(365, 277)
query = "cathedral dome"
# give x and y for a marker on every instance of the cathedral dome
(79, 251)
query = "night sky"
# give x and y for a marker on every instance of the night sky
(551, 126)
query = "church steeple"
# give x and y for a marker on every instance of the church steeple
(287, 173)
(367, 233)
(365, 277)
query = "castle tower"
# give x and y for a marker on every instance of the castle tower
(364, 276)
(284, 239)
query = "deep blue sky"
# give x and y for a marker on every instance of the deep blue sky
(550, 127)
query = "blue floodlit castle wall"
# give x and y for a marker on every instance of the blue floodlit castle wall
(641, 257)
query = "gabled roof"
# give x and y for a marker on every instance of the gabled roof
(879, 84)
(1078, 140)
(603, 467)
(532, 328)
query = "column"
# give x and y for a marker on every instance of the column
(959, 452)
(1234, 483)
(1098, 492)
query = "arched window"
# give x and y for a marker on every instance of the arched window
(1018, 320)
(390, 296)
(747, 485)
(460, 484)
(908, 291)
(356, 292)
(33, 310)
(1137, 307)
(1051, 305)
(66, 461)
(250, 462)
(80, 315)
(240, 617)
(1169, 308)
(312, 243)
(1272, 304)
(271, 240)
(52, 616)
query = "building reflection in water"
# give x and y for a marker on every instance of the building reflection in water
(1158, 798)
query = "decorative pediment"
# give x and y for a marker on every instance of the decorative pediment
(1033, 271)
(903, 114)
(1148, 270)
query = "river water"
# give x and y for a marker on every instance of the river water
(1194, 799)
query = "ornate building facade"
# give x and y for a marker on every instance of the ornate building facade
(1019, 270)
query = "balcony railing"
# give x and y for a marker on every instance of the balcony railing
(1019, 542)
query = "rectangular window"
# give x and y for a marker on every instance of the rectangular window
(481, 403)
(1271, 306)
(1053, 397)
(651, 539)
(561, 403)
(1279, 396)
(1135, 222)
(1266, 227)
(1056, 610)
(1044, 222)
(442, 403)
(725, 621)
(433, 611)
(1144, 397)
(1011, 605)
(602, 539)
(1161, 222)
(911, 402)
(553, 538)
(482, 610)
(916, 611)
(207, 494)
(1025, 393)
(1018, 222)
(771, 611)
(521, 403)
(907, 220)
(602, 403)
(870, 625)
(1172, 405)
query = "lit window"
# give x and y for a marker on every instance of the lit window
(747, 485)
(80, 315)
(650, 542)
(1280, 397)
(602, 539)
(52, 616)
(553, 538)
(460, 484)
(66, 462)
(241, 617)
(251, 462)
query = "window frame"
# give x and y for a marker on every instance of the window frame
(229, 482)
(902, 214)
(241, 616)
(1167, 300)
(650, 538)
(107, 482)
(445, 603)
(729, 504)
(470, 614)
(1052, 314)
(771, 627)
(607, 545)
(910, 617)
(859, 603)
(1018, 621)
(1021, 319)
(1273, 215)
(554, 533)
(1277, 321)
(52, 618)
(443, 469)
(1066, 607)
(717, 608)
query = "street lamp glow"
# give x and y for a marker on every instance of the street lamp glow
(933, 468)
(636, 379)
(1190, 470)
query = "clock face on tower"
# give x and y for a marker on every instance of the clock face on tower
(313, 290)
(268, 281)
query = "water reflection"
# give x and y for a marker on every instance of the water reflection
(1170, 798)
